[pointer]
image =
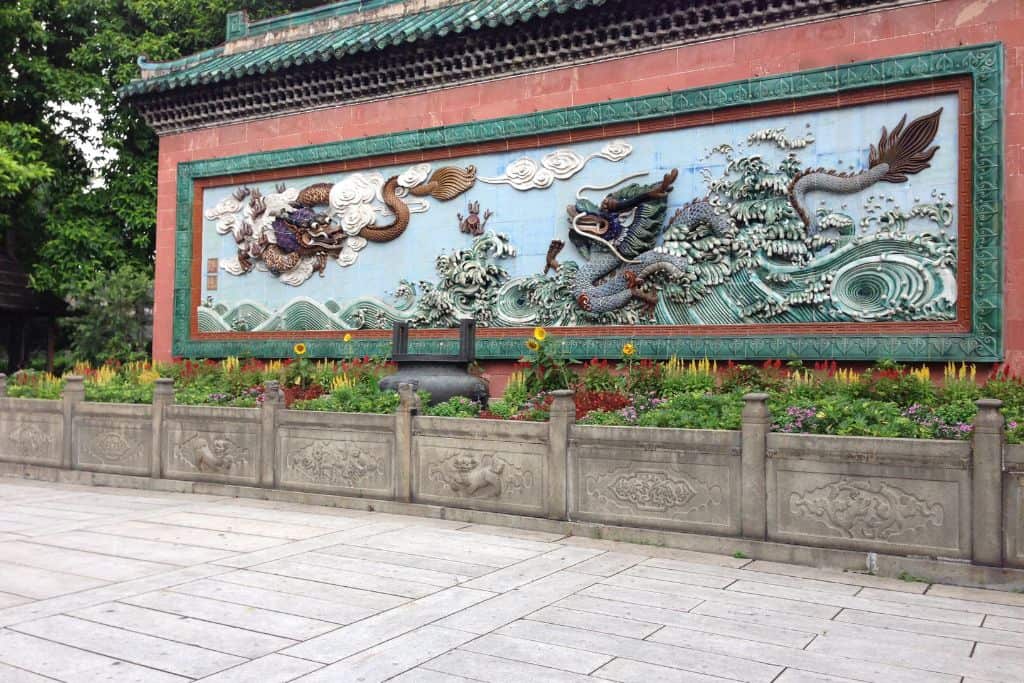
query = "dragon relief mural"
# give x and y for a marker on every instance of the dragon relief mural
(753, 249)
(289, 233)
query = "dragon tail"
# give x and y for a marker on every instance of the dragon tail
(906, 150)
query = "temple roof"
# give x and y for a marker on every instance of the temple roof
(332, 32)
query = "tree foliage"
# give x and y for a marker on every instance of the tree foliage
(65, 60)
(111, 315)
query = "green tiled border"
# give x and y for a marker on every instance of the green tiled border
(984, 63)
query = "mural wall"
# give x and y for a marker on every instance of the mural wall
(842, 216)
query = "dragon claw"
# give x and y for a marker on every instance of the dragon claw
(650, 299)
(583, 301)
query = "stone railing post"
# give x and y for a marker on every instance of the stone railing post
(163, 396)
(408, 408)
(3, 385)
(563, 417)
(273, 403)
(754, 435)
(74, 393)
(987, 484)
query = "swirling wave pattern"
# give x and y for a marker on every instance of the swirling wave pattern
(893, 286)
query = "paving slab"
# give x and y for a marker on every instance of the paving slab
(204, 538)
(830, 575)
(137, 648)
(632, 671)
(499, 670)
(742, 628)
(82, 563)
(386, 660)
(122, 585)
(678, 657)
(325, 572)
(602, 623)
(542, 654)
(230, 614)
(134, 548)
(355, 638)
(36, 582)
(817, 662)
(272, 600)
(463, 570)
(518, 603)
(352, 597)
(530, 570)
(204, 634)
(272, 668)
(985, 634)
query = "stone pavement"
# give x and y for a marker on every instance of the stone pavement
(124, 585)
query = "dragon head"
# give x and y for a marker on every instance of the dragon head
(627, 222)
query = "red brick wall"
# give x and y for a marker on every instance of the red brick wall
(932, 26)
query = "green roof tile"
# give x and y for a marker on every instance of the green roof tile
(213, 66)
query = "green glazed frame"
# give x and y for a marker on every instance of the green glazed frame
(983, 343)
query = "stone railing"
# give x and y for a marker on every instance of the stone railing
(945, 499)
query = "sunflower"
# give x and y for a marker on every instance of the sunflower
(628, 349)
(347, 338)
(540, 334)
(299, 349)
(532, 344)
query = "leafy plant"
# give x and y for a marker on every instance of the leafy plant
(598, 375)
(548, 368)
(457, 406)
(110, 316)
(696, 411)
(605, 418)
(680, 378)
(34, 384)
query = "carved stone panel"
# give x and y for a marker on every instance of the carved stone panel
(31, 437)
(1013, 496)
(355, 463)
(645, 488)
(480, 474)
(112, 444)
(867, 512)
(212, 451)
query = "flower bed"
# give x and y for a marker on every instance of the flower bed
(884, 400)
(345, 386)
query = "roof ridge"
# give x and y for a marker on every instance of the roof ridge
(306, 16)
(364, 37)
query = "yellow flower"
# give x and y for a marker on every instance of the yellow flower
(628, 349)
(532, 344)
(300, 349)
(347, 338)
(540, 334)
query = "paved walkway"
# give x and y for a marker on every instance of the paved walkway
(121, 585)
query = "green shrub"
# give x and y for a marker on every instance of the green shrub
(457, 406)
(597, 375)
(109, 316)
(365, 397)
(696, 411)
(606, 418)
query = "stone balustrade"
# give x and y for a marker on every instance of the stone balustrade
(943, 499)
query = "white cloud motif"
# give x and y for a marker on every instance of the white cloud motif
(616, 150)
(561, 164)
(355, 218)
(357, 188)
(414, 176)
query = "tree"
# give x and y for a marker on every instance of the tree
(111, 315)
(66, 59)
